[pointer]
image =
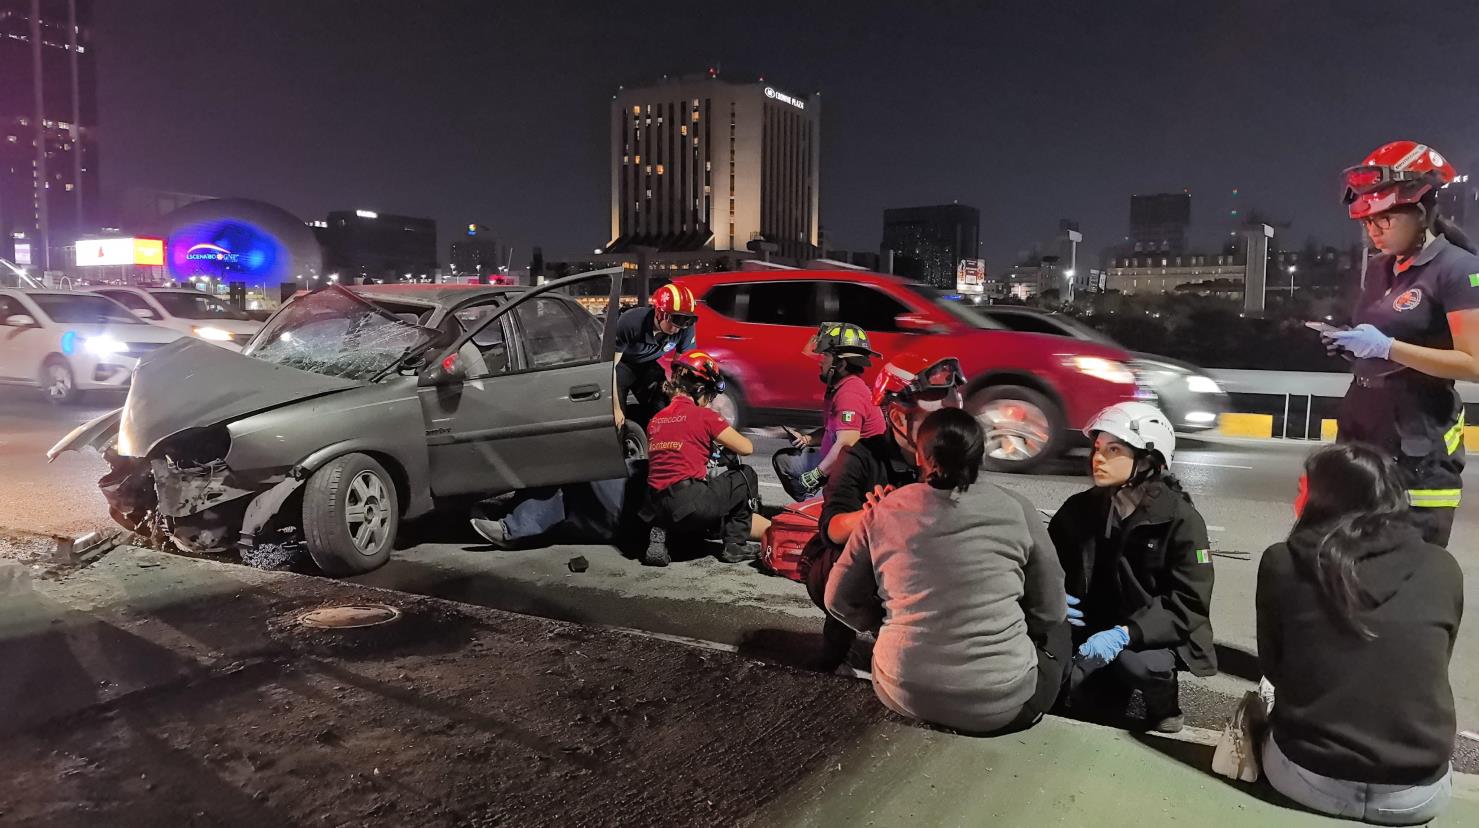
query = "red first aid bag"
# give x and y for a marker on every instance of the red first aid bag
(789, 533)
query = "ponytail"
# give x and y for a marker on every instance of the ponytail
(1445, 227)
(955, 445)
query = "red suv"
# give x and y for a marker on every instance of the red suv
(1032, 392)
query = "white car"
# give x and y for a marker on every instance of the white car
(188, 311)
(68, 342)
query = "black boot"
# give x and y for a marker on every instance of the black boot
(656, 553)
(1163, 706)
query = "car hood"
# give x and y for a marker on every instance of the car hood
(126, 333)
(190, 384)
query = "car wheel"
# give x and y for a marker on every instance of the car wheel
(1024, 429)
(633, 441)
(731, 405)
(350, 515)
(60, 384)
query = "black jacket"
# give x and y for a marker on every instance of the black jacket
(1377, 711)
(870, 462)
(1158, 575)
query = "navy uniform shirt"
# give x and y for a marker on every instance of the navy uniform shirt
(1413, 415)
(639, 341)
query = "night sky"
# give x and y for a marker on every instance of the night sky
(496, 112)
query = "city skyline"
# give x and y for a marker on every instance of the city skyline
(501, 116)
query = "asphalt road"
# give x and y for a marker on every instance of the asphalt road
(1244, 489)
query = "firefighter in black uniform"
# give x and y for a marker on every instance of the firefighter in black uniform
(1416, 328)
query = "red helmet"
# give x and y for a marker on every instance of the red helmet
(674, 300)
(917, 380)
(1395, 174)
(702, 366)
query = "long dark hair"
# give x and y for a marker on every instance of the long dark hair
(1354, 492)
(1443, 226)
(956, 445)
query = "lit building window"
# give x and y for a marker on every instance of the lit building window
(661, 169)
(695, 115)
(638, 160)
(69, 188)
(683, 130)
(636, 110)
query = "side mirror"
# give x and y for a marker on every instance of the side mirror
(449, 371)
(915, 323)
(21, 320)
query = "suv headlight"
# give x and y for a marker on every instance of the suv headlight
(213, 334)
(103, 345)
(1198, 384)
(1100, 368)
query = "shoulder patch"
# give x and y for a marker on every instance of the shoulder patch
(1474, 280)
(1408, 300)
(1204, 556)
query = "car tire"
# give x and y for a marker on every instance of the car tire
(58, 381)
(1024, 428)
(633, 441)
(350, 515)
(732, 406)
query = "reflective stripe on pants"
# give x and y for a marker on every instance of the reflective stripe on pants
(1434, 498)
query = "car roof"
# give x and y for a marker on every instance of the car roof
(430, 294)
(50, 292)
(789, 275)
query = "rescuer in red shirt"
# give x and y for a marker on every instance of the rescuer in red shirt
(684, 498)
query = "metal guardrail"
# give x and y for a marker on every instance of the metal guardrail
(1303, 383)
(1297, 402)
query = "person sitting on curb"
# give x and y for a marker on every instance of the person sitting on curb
(683, 498)
(908, 388)
(850, 414)
(972, 632)
(1357, 621)
(1138, 569)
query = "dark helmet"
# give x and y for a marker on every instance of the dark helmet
(841, 339)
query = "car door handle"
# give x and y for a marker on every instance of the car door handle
(582, 393)
(732, 337)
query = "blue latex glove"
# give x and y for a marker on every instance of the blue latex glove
(1075, 615)
(1364, 342)
(1102, 648)
(812, 479)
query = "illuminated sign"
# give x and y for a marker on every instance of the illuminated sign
(102, 252)
(784, 98)
(225, 249)
(207, 252)
(23, 254)
(371, 214)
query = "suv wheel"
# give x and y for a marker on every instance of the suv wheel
(350, 515)
(731, 405)
(1023, 427)
(60, 384)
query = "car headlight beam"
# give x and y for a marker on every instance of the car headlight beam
(1198, 384)
(213, 334)
(103, 345)
(1105, 369)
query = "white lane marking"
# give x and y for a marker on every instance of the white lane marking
(769, 485)
(1215, 529)
(1211, 465)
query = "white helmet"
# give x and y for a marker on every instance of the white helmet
(1136, 424)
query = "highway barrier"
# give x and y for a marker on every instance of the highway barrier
(1301, 405)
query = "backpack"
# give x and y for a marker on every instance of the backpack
(789, 533)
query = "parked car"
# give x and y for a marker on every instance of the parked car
(188, 311)
(1031, 392)
(355, 409)
(1192, 399)
(68, 342)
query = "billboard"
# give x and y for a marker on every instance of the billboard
(130, 251)
(237, 240)
(970, 277)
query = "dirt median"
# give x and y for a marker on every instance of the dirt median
(451, 715)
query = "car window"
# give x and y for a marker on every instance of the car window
(489, 343)
(784, 303)
(128, 300)
(867, 307)
(83, 309)
(554, 336)
(196, 306)
(1027, 323)
(726, 300)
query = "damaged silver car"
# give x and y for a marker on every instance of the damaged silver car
(355, 409)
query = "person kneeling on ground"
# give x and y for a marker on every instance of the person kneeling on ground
(972, 634)
(683, 498)
(908, 388)
(1138, 570)
(1357, 620)
(851, 414)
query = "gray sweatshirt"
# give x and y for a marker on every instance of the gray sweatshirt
(953, 583)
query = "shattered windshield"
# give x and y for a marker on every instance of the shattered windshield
(336, 333)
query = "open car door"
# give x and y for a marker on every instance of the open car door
(525, 396)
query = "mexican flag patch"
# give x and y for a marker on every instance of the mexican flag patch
(1204, 556)
(848, 416)
(1474, 280)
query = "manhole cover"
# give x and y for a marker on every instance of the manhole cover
(349, 617)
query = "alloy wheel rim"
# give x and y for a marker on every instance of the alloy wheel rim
(1016, 430)
(367, 512)
(61, 381)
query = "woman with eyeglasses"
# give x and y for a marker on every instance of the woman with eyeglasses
(1416, 328)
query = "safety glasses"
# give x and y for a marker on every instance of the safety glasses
(942, 376)
(683, 320)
